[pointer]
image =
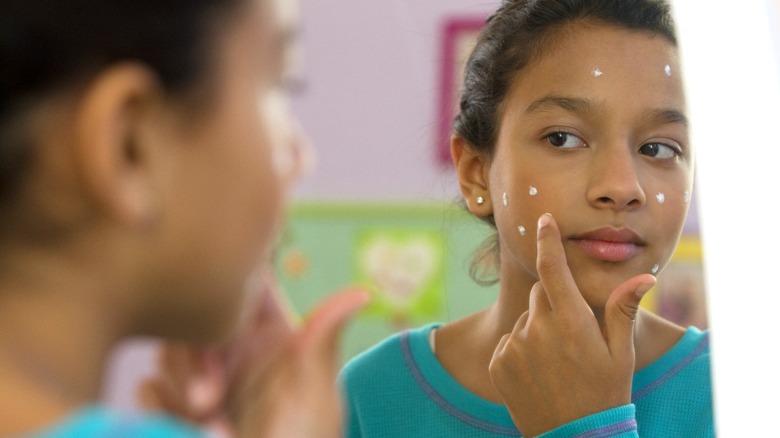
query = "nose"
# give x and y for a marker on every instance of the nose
(614, 180)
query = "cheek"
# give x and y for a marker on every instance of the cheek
(669, 199)
(517, 206)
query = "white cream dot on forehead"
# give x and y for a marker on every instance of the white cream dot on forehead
(504, 198)
(522, 230)
(668, 70)
(655, 269)
(597, 73)
(532, 191)
(660, 197)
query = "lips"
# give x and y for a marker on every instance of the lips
(610, 244)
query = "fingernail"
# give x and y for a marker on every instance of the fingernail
(544, 220)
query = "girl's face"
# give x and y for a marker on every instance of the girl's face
(231, 169)
(594, 133)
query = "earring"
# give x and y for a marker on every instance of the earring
(480, 200)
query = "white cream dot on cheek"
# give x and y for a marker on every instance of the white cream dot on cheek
(522, 230)
(655, 269)
(668, 70)
(687, 197)
(597, 73)
(532, 191)
(660, 197)
(504, 198)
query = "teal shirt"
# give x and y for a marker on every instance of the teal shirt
(399, 389)
(99, 422)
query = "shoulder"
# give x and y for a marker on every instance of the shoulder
(673, 396)
(103, 422)
(682, 373)
(386, 364)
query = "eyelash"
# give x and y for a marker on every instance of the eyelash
(547, 136)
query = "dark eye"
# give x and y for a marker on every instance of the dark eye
(658, 150)
(564, 140)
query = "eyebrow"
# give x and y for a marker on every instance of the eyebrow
(573, 104)
(668, 116)
(584, 105)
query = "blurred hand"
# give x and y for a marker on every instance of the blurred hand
(273, 379)
(557, 365)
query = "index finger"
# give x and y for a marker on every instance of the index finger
(552, 268)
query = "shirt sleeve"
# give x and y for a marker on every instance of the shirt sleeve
(615, 422)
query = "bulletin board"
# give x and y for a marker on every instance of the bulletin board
(413, 258)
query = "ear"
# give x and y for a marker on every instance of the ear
(472, 168)
(109, 159)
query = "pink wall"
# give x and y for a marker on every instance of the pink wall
(372, 71)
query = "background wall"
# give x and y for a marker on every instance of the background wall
(371, 101)
(371, 107)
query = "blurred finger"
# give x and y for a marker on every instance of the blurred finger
(324, 326)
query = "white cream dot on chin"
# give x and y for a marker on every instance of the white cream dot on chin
(522, 230)
(597, 73)
(660, 197)
(655, 269)
(533, 191)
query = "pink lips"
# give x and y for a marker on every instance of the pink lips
(610, 244)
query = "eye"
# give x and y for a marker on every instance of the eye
(564, 140)
(659, 150)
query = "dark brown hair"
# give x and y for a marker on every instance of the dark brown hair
(50, 45)
(513, 37)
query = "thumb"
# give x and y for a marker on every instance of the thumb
(322, 330)
(620, 314)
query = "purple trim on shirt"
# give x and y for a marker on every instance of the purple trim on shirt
(611, 430)
(411, 364)
(673, 371)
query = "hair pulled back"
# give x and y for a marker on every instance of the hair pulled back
(50, 45)
(512, 38)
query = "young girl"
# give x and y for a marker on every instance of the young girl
(572, 142)
(146, 150)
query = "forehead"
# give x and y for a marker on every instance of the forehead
(604, 62)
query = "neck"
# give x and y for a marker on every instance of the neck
(55, 335)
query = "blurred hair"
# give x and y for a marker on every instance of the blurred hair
(47, 46)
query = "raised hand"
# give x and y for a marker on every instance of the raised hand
(272, 379)
(557, 365)
(296, 395)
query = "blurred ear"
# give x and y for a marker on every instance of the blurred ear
(472, 168)
(111, 163)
